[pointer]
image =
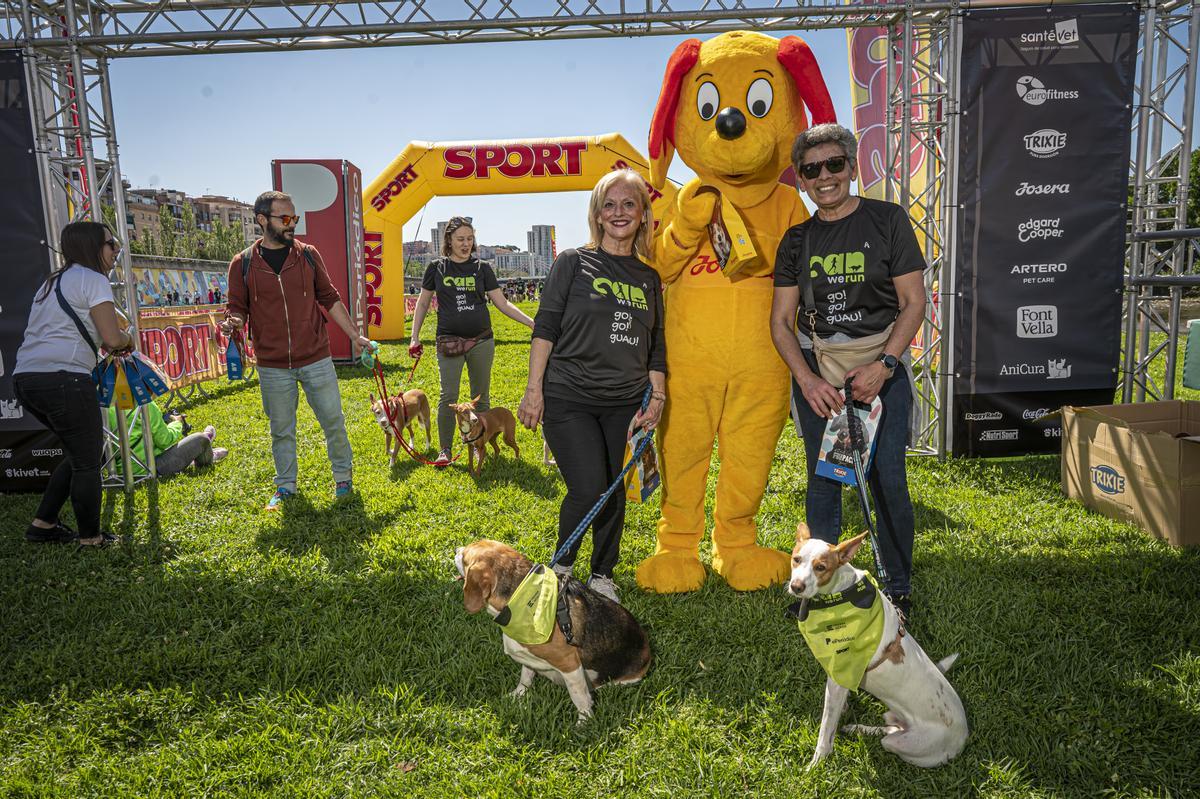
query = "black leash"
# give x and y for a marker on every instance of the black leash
(857, 446)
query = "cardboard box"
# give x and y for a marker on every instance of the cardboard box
(1130, 462)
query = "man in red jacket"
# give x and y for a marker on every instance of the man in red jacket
(283, 286)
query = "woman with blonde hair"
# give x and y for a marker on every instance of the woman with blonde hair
(597, 345)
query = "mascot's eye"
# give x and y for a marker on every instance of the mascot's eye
(708, 99)
(758, 98)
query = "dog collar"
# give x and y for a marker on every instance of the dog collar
(843, 630)
(530, 614)
(476, 438)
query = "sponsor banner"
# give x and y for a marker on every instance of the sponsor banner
(1044, 151)
(187, 347)
(27, 458)
(192, 285)
(998, 425)
(426, 170)
(327, 194)
(22, 229)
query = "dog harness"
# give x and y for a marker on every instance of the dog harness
(844, 630)
(529, 616)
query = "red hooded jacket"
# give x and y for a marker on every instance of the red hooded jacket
(284, 310)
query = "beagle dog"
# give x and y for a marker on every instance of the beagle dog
(606, 643)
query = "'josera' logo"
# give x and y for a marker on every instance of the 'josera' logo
(624, 293)
(516, 160)
(1108, 480)
(462, 283)
(840, 267)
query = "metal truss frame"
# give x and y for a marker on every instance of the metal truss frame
(1160, 246)
(68, 46)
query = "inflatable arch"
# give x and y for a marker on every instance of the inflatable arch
(426, 170)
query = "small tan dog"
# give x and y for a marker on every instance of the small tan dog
(480, 427)
(411, 406)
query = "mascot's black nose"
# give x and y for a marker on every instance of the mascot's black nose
(731, 123)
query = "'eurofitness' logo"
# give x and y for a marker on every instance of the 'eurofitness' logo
(840, 267)
(461, 283)
(1034, 92)
(623, 293)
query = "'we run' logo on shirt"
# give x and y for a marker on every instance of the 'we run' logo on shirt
(848, 267)
(463, 283)
(623, 293)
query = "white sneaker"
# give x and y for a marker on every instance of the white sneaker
(219, 454)
(562, 571)
(604, 586)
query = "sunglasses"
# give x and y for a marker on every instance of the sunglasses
(835, 165)
(116, 245)
(285, 219)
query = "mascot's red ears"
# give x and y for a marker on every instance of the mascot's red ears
(662, 126)
(793, 54)
(798, 60)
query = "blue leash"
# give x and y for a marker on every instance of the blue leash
(573, 539)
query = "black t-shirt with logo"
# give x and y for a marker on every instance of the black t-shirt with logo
(461, 290)
(851, 264)
(604, 315)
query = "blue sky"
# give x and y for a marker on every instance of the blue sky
(212, 124)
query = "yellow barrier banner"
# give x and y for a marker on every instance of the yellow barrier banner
(187, 346)
(425, 170)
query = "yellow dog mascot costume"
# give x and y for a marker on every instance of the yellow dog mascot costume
(732, 108)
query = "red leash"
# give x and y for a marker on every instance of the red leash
(377, 370)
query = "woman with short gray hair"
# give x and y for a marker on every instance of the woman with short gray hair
(858, 267)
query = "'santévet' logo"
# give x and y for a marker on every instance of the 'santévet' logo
(1037, 321)
(623, 293)
(1034, 92)
(1045, 143)
(516, 160)
(1108, 480)
(1042, 188)
(1065, 32)
(398, 184)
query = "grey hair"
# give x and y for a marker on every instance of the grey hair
(829, 133)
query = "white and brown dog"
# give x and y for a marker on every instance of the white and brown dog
(411, 406)
(925, 723)
(607, 644)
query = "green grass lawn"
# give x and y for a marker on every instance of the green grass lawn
(324, 651)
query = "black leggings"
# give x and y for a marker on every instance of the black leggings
(65, 402)
(588, 442)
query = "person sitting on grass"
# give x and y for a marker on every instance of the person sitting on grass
(174, 449)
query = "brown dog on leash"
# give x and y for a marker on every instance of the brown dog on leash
(411, 406)
(480, 427)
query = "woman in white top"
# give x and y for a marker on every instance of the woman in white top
(72, 315)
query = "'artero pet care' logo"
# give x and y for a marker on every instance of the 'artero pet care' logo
(623, 293)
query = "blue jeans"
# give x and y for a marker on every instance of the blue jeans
(280, 396)
(888, 479)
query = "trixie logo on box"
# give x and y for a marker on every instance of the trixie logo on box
(1026, 189)
(1108, 480)
(516, 160)
(1045, 143)
(398, 184)
(1033, 229)
(1034, 92)
(1037, 321)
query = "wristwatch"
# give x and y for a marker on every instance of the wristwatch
(890, 362)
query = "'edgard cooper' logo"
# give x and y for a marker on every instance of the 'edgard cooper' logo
(1108, 480)
(624, 293)
(462, 283)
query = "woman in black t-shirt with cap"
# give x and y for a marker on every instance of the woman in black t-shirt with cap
(461, 283)
(597, 345)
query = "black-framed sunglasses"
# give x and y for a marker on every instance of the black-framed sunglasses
(835, 165)
(116, 245)
(286, 219)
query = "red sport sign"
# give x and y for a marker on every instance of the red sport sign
(515, 160)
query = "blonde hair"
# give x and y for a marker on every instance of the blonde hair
(643, 245)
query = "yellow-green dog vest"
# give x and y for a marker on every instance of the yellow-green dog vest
(528, 618)
(844, 630)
